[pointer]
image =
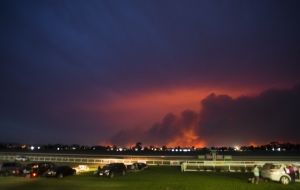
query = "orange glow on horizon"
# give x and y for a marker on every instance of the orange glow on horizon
(144, 108)
(187, 139)
(252, 143)
(179, 99)
(141, 109)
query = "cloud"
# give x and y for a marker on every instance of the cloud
(272, 115)
(223, 120)
(172, 130)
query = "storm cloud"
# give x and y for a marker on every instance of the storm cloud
(172, 130)
(273, 115)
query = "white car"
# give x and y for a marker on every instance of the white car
(276, 172)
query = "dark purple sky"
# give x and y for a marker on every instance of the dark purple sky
(99, 71)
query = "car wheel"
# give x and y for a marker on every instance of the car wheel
(60, 175)
(285, 180)
(111, 174)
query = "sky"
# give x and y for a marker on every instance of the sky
(171, 72)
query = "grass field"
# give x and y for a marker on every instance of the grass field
(155, 178)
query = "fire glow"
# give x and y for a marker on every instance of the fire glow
(187, 139)
(153, 106)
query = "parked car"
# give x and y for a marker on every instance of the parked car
(137, 166)
(11, 168)
(276, 172)
(61, 171)
(37, 169)
(81, 168)
(110, 170)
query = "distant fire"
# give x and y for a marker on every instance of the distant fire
(253, 144)
(187, 138)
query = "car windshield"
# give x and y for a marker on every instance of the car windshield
(275, 167)
(46, 165)
(267, 166)
(106, 167)
(31, 166)
(271, 166)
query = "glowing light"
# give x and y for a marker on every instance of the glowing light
(237, 148)
(32, 148)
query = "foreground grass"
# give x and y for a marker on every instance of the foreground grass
(156, 178)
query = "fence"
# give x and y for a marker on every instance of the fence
(89, 160)
(186, 164)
